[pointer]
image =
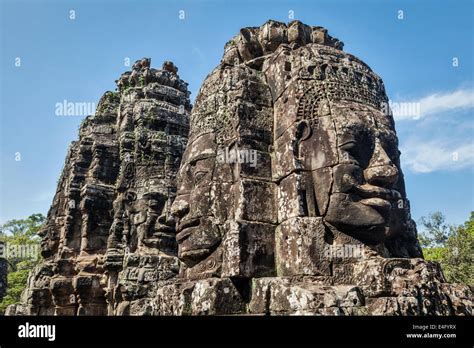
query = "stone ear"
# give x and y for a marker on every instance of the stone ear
(303, 131)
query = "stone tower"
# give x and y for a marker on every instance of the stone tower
(310, 214)
(104, 239)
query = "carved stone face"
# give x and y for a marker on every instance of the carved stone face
(366, 201)
(336, 150)
(157, 230)
(198, 219)
(367, 196)
(49, 241)
(334, 155)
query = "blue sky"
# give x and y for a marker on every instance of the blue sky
(78, 60)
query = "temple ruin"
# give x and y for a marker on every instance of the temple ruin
(150, 219)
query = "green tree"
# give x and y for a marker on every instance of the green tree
(459, 255)
(452, 246)
(437, 231)
(20, 233)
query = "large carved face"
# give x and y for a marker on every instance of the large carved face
(157, 231)
(334, 145)
(198, 216)
(223, 204)
(49, 241)
(367, 198)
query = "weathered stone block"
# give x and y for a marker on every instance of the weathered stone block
(203, 297)
(299, 247)
(290, 200)
(289, 296)
(251, 206)
(248, 249)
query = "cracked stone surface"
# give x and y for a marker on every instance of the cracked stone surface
(280, 193)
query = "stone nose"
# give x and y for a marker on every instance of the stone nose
(381, 171)
(166, 220)
(43, 232)
(179, 208)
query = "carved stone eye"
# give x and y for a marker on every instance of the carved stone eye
(198, 176)
(348, 145)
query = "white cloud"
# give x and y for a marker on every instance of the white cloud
(426, 157)
(435, 104)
